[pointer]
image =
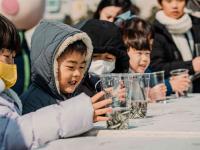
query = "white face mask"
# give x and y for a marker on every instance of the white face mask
(100, 67)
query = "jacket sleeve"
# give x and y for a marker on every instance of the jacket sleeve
(68, 118)
(169, 87)
(161, 57)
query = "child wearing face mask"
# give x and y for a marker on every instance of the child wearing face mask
(138, 37)
(109, 55)
(102, 63)
(63, 118)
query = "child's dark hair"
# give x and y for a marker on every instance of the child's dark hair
(160, 1)
(124, 4)
(9, 38)
(137, 33)
(78, 46)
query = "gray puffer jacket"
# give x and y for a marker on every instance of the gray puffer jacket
(64, 118)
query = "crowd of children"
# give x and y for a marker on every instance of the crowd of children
(64, 98)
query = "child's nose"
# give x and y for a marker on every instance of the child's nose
(174, 4)
(144, 57)
(77, 73)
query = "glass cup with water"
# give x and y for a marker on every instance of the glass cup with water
(179, 73)
(117, 85)
(157, 88)
(138, 95)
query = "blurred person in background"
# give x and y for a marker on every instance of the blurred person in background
(109, 9)
(175, 34)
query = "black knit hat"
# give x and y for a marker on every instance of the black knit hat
(106, 37)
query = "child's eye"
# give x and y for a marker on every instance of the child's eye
(109, 59)
(109, 17)
(139, 53)
(7, 56)
(147, 53)
(70, 67)
(95, 56)
(82, 67)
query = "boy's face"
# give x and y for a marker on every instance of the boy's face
(104, 56)
(173, 8)
(139, 60)
(71, 68)
(6, 56)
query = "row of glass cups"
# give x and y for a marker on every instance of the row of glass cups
(129, 94)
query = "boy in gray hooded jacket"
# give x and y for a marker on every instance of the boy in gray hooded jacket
(71, 52)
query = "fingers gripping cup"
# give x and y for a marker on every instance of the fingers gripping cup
(177, 73)
(116, 86)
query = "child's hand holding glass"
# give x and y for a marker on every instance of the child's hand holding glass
(157, 93)
(101, 107)
(180, 83)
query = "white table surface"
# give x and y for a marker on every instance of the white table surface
(174, 125)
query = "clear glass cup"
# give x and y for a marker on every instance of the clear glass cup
(197, 49)
(156, 84)
(138, 95)
(177, 73)
(116, 87)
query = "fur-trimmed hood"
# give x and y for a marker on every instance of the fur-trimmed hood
(48, 42)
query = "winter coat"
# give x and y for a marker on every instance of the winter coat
(165, 54)
(22, 60)
(66, 119)
(48, 42)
